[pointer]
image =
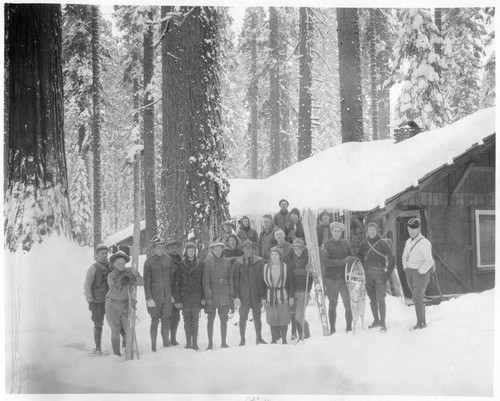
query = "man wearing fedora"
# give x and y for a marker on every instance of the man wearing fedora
(228, 229)
(336, 253)
(117, 297)
(158, 278)
(417, 263)
(249, 289)
(174, 249)
(281, 218)
(96, 288)
(218, 287)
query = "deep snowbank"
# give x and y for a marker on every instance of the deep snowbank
(453, 356)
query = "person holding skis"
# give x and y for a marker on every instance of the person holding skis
(337, 252)
(417, 262)
(266, 237)
(323, 230)
(218, 287)
(174, 249)
(378, 261)
(281, 218)
(158, 278)
(95, 289)
(249, 289)
(246, 231)
(188, 293)
(294, 228)
(279, 295)
(117, 302)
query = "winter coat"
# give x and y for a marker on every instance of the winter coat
(294, 231)
(280, 219)
(96, 282)
(320, 231)
(248, 284)
(188, 284)
(176, 261)
(248, 233)
(371, 258)
(232, 254)
(298, 268)
(266, 242)
(158, 278)
(281, 290)
(287, 249)
(218, 284)
(333, 259)
(117, 290)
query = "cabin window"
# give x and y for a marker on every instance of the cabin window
(485, 239)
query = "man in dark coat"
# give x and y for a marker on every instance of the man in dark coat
(283, 216)
(246, 231)
(323, 229)
(158, 278)
(286, 247)
(266, 237)
(249, 289)
(218, 287)
(174, 249)
(95, 289)
(294, 228)
(379, 261)
(188, 293)
(337, 252)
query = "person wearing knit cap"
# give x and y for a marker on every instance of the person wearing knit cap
(279, 295)
(218, 287)
(174, 249)
(117, 302)
(158, 279)
(95, 289)
(283, 216)
(378, 261)
(266, 237)
(294, 228)
(336, 254)
(246, 231)
(323, 229)
(227, 230)
(417, 263)
(188, 293)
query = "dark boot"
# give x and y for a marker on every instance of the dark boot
(195, 334)
(283, 330)
(376, 320)
(382, 309)
(210, 332)
(189, 334)
(153, 332)
(258, 332)
(115, 343)
(243, 326)
(307, 333)
(97, 338)
(165, 331)
(332, 316)
(274, 334)
(223, 334)
(173, 327)
(294, 327)
(122, 332)
(299, 330)
(348, 320)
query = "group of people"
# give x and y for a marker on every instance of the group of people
(249, 271)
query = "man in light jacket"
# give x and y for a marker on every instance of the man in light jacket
(417, 262)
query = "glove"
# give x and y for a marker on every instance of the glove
(128, 279)
(237, 303)
(178, 305)
(91, 305)
(150, 303)
(209, 301)
(309, 269)
(291, 301)
(203, 302)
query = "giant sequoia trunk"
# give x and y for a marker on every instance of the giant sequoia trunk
(149, 135)
(36, 186)
(274, 93)
(382, 59)
(305, 84)
(351, 106)
(194, 187)
(374, 76)
(252, 98)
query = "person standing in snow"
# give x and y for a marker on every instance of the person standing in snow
(279, 296)
(246, 231)
(249, 289)
(300, 269)
(117, 297)
(227, 228)
(286, 247)
(158, 278)
(95, 289)
(281, 218)
(417, 263)
(188, 293)
(174, 249)
(232, 252)
(218, 287)
(266, 237)
(379, 261)
(294, 228)
(323, 230)
(337, 252)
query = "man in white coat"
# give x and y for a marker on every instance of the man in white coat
(417, 262)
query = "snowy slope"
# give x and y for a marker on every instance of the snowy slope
(360, 176)
(453, 356)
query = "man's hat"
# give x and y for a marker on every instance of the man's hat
(172, 242)
(295, 211)
(247, 244)
(283, 200)
(157, 240)
(228, 222)
(100, 247)
(214, 244)
(372, 224)
(337, 224)
(298, 243)
(414, 223)
(324, 211)
(267, 216)
(119, 254)
(190, 245)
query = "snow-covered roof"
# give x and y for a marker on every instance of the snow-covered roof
(123, 234)
(361, 176)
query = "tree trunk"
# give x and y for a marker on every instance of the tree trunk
(252, 95)
(96, 125)
(36, 191)
(284, 101)
(274, 92)
(148, 135)
(374, 79)
(351, 107)
(383, 95)
(305, 84)
(193, 183)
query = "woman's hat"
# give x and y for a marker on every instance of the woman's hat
(119, 254)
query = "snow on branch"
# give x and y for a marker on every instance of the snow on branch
(133, 151)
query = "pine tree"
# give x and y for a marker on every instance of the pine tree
(274, 92)
(81, 216)
(488, 83)
(305, 95)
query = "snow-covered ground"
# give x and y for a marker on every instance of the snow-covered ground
(452, 357)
